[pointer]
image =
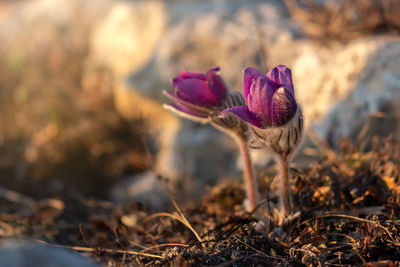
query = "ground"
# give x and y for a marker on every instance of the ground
(348, 205)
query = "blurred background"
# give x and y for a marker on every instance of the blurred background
(81, 82)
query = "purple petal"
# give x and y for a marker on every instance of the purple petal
(216, 69)
(192, 74)
(196, 92)
(250, 74)
(281, 76)
(181, 111)
(243, 113)
(187, 107)
(283, 108)
(216, 84)
(176, 80)
(260, 98)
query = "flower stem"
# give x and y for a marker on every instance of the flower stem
(250, 181)
(285, 196)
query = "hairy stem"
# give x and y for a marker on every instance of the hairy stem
(251, 183)
(285, 194)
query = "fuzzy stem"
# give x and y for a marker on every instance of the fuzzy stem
(251, 183)
(285, 196)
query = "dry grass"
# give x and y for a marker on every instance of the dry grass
(345, 20)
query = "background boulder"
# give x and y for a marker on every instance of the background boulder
(339, 85)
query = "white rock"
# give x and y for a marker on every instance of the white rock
(232, 35)
(146, 188)
(200, 35)
(197, 155)
(376, 90)
(341, 86)
(126, 38)
(22, 252)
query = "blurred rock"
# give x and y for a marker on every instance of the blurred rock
(47, 16)
(192, 157)
(205, 155)
(146, 188)
(232, 35)
(20, 252)
(331, 82)
(341, 87)
(126, 37)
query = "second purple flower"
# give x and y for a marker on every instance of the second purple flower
(197, 95)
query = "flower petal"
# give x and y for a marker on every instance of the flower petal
(192, 74)
(188, 107)
(260, 98)
(196, 92)
(176, 80)
(188, 114)
(216, 83)
(281, 76)
(250, 74)
(243, 113)
(283, 108)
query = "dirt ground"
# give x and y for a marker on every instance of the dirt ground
(349, 214)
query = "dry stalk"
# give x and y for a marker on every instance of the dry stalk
(95, 250)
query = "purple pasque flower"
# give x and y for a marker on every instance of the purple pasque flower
(201, 97)
(269, 98)
(197, 95)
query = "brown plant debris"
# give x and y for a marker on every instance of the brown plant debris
(349, 215)
(345, 20)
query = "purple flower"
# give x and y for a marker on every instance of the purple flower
(269, 98)
(197, 94)
(201, 97)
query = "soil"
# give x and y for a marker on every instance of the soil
(348, 207)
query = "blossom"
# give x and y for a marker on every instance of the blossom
(269, 98)
(274, 116)
(201, 97)
(197, 95)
